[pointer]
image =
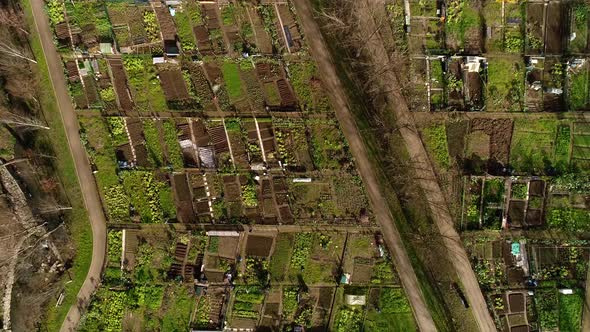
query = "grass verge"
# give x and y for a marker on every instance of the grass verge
(78, 223)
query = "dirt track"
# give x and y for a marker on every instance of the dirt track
(85, 177)
(379, 204)
(423, 168)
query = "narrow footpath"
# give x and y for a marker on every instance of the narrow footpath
(86, 179)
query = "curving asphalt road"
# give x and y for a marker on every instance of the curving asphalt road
(82, 165)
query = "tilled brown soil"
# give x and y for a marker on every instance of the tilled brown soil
(500, 132)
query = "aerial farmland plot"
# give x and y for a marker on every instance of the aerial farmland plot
(515, 169)
(216, 153)
(232, 197)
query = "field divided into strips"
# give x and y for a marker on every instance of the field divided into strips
(154, 260)
(581, 144)
(550, 143)
(200, 114)
(532, 143)
(556, 266)
(512, 39)
(315, 259)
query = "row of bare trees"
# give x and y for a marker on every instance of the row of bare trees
(21, 114)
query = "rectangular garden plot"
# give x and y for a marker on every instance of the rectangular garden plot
(312, 201)
(578, 27)
(505, 84)
(553, 83)
(535, 37)
(463, 27)
(581, 145)
(490, 140)
(220, 257)
(386, 307)
(263, 41)
(143, 81)
(88, 23)
(421, 82)
(267, 136)
(250, 136)
(498, 262)
(99, 144)
(153, 256)
(493, 19)
(135, 27)
(287, 28)
(293, 149)
(219, 140)
(304, 77)
(534, 88)
(557, 262)
(555, 29)
(238, 150)
(577, 84)
(210, 309)
(202, 195)
(173, 83)
(366, 263)
(182, 194)
(247, 307)
(310, 308)
(120, 84)
(316, 257)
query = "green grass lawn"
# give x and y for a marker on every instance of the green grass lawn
(465, 22)
(505, 86)
(391, 313)
(435, 138)
(562, 145)
(382, 322)
(281, 257)
(77, 219)
(231, 76)
(570, 311)
(582, 140)
(533, 144)
(580, 152)
(577, 88)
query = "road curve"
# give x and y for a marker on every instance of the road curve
(86, 179)
(379, 204)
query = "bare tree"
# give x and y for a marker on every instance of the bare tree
(11, 50)
(20, 81)
(19, 121)
(13, 18)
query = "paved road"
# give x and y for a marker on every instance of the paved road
(380, 206)
(83, 170)
(423, 169)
